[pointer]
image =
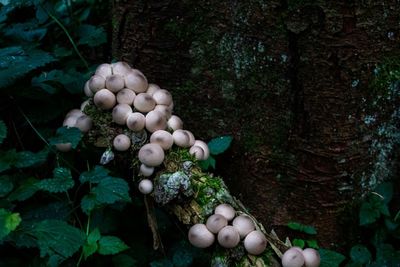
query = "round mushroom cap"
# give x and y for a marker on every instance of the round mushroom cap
(115, 83)
(255, 242)
(311, 257)
(120, 113)
(292, 258)
(64, 147)
(126, 96)
(155, 121)
(225, 210)
(136, 81)
(175, 123)
(84, 104)
(144, 102)
(136, 121)
(182, 138)
(151, 155)
(162, 97)
(228, 237)
(120, 68)
(165, 110)
(145, 186)
(70, 121)
(86, 90)
(204, 146)
(104, 70)
(84, 123)
(163, 138)
(122, 142)
(200, 237)
(104, 99)
(244, 225)
(152, 88)
(216, 222)
(96, 83)
(197, 152)
(146, 170)
(74, 113)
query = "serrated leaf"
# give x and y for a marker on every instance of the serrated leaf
(94, 236)
(330, 258)
(89, 249)
(298, 243)
(16, 61)
(110, 245)
(8, 222)
(360, 254)
(61, 182)
(220, 144)
(7, 159)
(312, 243)
(70, 79)
(27, 189)
(57, 237)
(3, 131)
(308, 229)
(67, 135)
(91, 35)
(88, 203)
(206, 164)
(371, 209)
(27, 31)
(27, 159)
(6, 186)
(95, 175)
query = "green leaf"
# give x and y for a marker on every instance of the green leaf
(67, 135)
(298, 243)
(110, 245)
(89, 249)
(7, 159)
(220, 144)
(8, 222)
(330, 258)
(61, 182)
(57, 237)
(71, 80)
(182, 258)
(16, 61)
(372, 209)
(91, 35)
(27, 159)
(312, 243)
(302, 228)
(27, 31)
(95, 175)
(360, 254)
(386, 191)
(123, 260)
(206, 164)
(27, 189)
(6, 186)
(3, 131)
(94, 236)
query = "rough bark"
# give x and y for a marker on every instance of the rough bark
(289, 79)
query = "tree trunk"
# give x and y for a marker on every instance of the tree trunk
(290, 80)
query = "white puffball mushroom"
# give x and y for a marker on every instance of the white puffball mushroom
(151, 155)
(84, 123)
(136, 81)
(255, 242)
(74, 113)
(144, 102)
(84, 104)
(162, 97)
(225, 210)
(70, 121)
(115, 83)
(165, 110)
(64, 147)
(152, 88)
(204, 146)
(136, 121)
(244, 225)
(199, 236)
(292, 258)
(175, 123)
(122, 142)
(126, 96)
(216, 222)
(146, 170)
(228, 237)
(163, 138)
(145, 186)
(311, 257)
(104, 99)
(120, 113)
(96, 83)
(197, 151)
(120, 68)
(155, 121)
(86, 90)
(104, 70)
(183, 138)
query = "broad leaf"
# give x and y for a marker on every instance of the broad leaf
(302, 228)
(95, 175)
(3, 131)
(220, 144)
(8, 222)
(5, 185)
(61, 182)
(27, 31)
(91, 35)
(386, 191)
(27, 189)
(206, 164)
(330, 258)
(23, 159)
(360, 254)
(299, 243)
(109, 245)
(67, 135)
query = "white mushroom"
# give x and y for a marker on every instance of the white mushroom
(255, 242)
(86, 90)
(228, 237)
(64, 147)
(126, 96)
(120, 113)
(200, 237)
(197, 152)
(104, 99)
(163, 138)
(96, 83)
(144, 102)
(122, 142)
(104, 70)
(136, 81)
(151, 155)
(146, 170)
(162, 97)
(120, 68)
(155, 121)
(84, 123)
(225, 210)
(70, 121)
(145, 186)
(311, 257)
(152, 88)
(84, 104)
(292, 258)
(115, 83)
(244, 225)
(216, 222)
(175, 123)
(183, 138)
(136, 121)
(74, 113)
(204, 146)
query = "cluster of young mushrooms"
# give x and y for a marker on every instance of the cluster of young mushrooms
(145, 107)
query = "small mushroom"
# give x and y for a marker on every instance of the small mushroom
(96, 83)
(126, 96)
(146, 170)
(175, 123)
(70, 121)
(225, 210)
(163, 138)
(244, 225)
(144, 102)
(199, 236)
(165, 110)
(86, 90)
(64, 147)
(155, 121)
(136, 81)
(311, 257)
(120, 113)
(74, 113)
(228, 237)
(152, 88)
(145, 186)
(292, 258)
(104, 70)
(84, 104)
(151, 155)
(122, 142)
(197, 152)
(204, 146)
(255, 242)
(115, 83)
(216, 222)
(104, 99)
(183, 138)
(162, 97)
(120, 68)
(136, 121)
(84, 123)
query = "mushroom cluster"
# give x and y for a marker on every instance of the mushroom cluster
(143, 108)
(296, 257)
(228, 236)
